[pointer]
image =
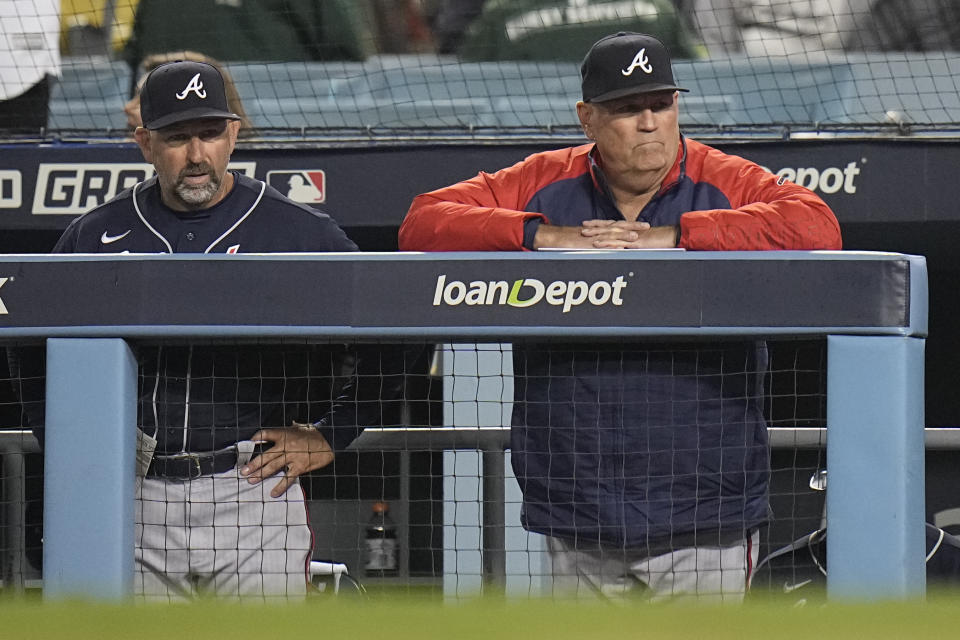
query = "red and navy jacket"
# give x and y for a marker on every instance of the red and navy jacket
(650, 446)
(721, 202)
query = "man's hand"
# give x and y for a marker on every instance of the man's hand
(620, 234)
(551, 236)
(296, 450)
(605, 234)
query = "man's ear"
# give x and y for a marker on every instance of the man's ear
(233, 126)
(142, 136)
(585, 114)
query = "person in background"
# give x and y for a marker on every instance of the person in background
(645, 465)
(450, 21)
(397, 26)
(558, 30)
(251, 30)
(95, 28)
(903, 25)
(765, 28)
(29, 62)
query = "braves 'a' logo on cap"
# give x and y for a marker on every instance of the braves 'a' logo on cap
(308, 186)
(640, 60)
(194, 85)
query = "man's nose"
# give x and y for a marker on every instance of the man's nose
(195, 150)
(646, 120)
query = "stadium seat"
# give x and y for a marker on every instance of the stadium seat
(429, 91)
(89, 96)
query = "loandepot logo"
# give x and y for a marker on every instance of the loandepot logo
(526, 292)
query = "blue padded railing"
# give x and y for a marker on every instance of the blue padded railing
(871, 306)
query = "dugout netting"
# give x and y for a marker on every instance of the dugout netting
(429, 449)
(389, 69)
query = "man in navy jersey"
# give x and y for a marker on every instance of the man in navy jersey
(219, 507)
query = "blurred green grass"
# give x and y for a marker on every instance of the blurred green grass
(488, 619)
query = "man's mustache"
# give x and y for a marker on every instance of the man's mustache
(196, 170)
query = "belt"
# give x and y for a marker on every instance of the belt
(186, 466)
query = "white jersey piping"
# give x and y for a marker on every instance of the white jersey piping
(263, 187)
(156, 389)
(136, 207)
(186, 400)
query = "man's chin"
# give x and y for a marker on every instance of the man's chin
(650, 158)
(648, 167)
(197, 196)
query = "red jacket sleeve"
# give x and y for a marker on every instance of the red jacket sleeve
(766, 212)
(485, 213)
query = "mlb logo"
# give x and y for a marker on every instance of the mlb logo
(306, 186)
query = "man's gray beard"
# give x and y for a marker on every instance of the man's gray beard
(200, 194)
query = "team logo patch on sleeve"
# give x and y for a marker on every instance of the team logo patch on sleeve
(308, 186)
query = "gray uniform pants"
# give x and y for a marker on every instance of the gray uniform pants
(706, 574)
(222, 536)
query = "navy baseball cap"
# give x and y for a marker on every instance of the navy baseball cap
(625, 64)
(179, 91)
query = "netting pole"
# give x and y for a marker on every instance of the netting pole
(494, 551)
(875, 450)
(14, 502)
(89, 469)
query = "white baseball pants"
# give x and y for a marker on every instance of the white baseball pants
(220, 535)
(705, 574)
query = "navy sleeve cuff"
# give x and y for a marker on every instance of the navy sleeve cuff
(530, 226)
(338, 438)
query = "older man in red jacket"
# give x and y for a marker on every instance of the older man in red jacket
(645, 465)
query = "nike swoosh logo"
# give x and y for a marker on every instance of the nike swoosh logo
(787, 588)
(107, 239)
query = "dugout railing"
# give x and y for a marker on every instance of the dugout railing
(872, 308)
